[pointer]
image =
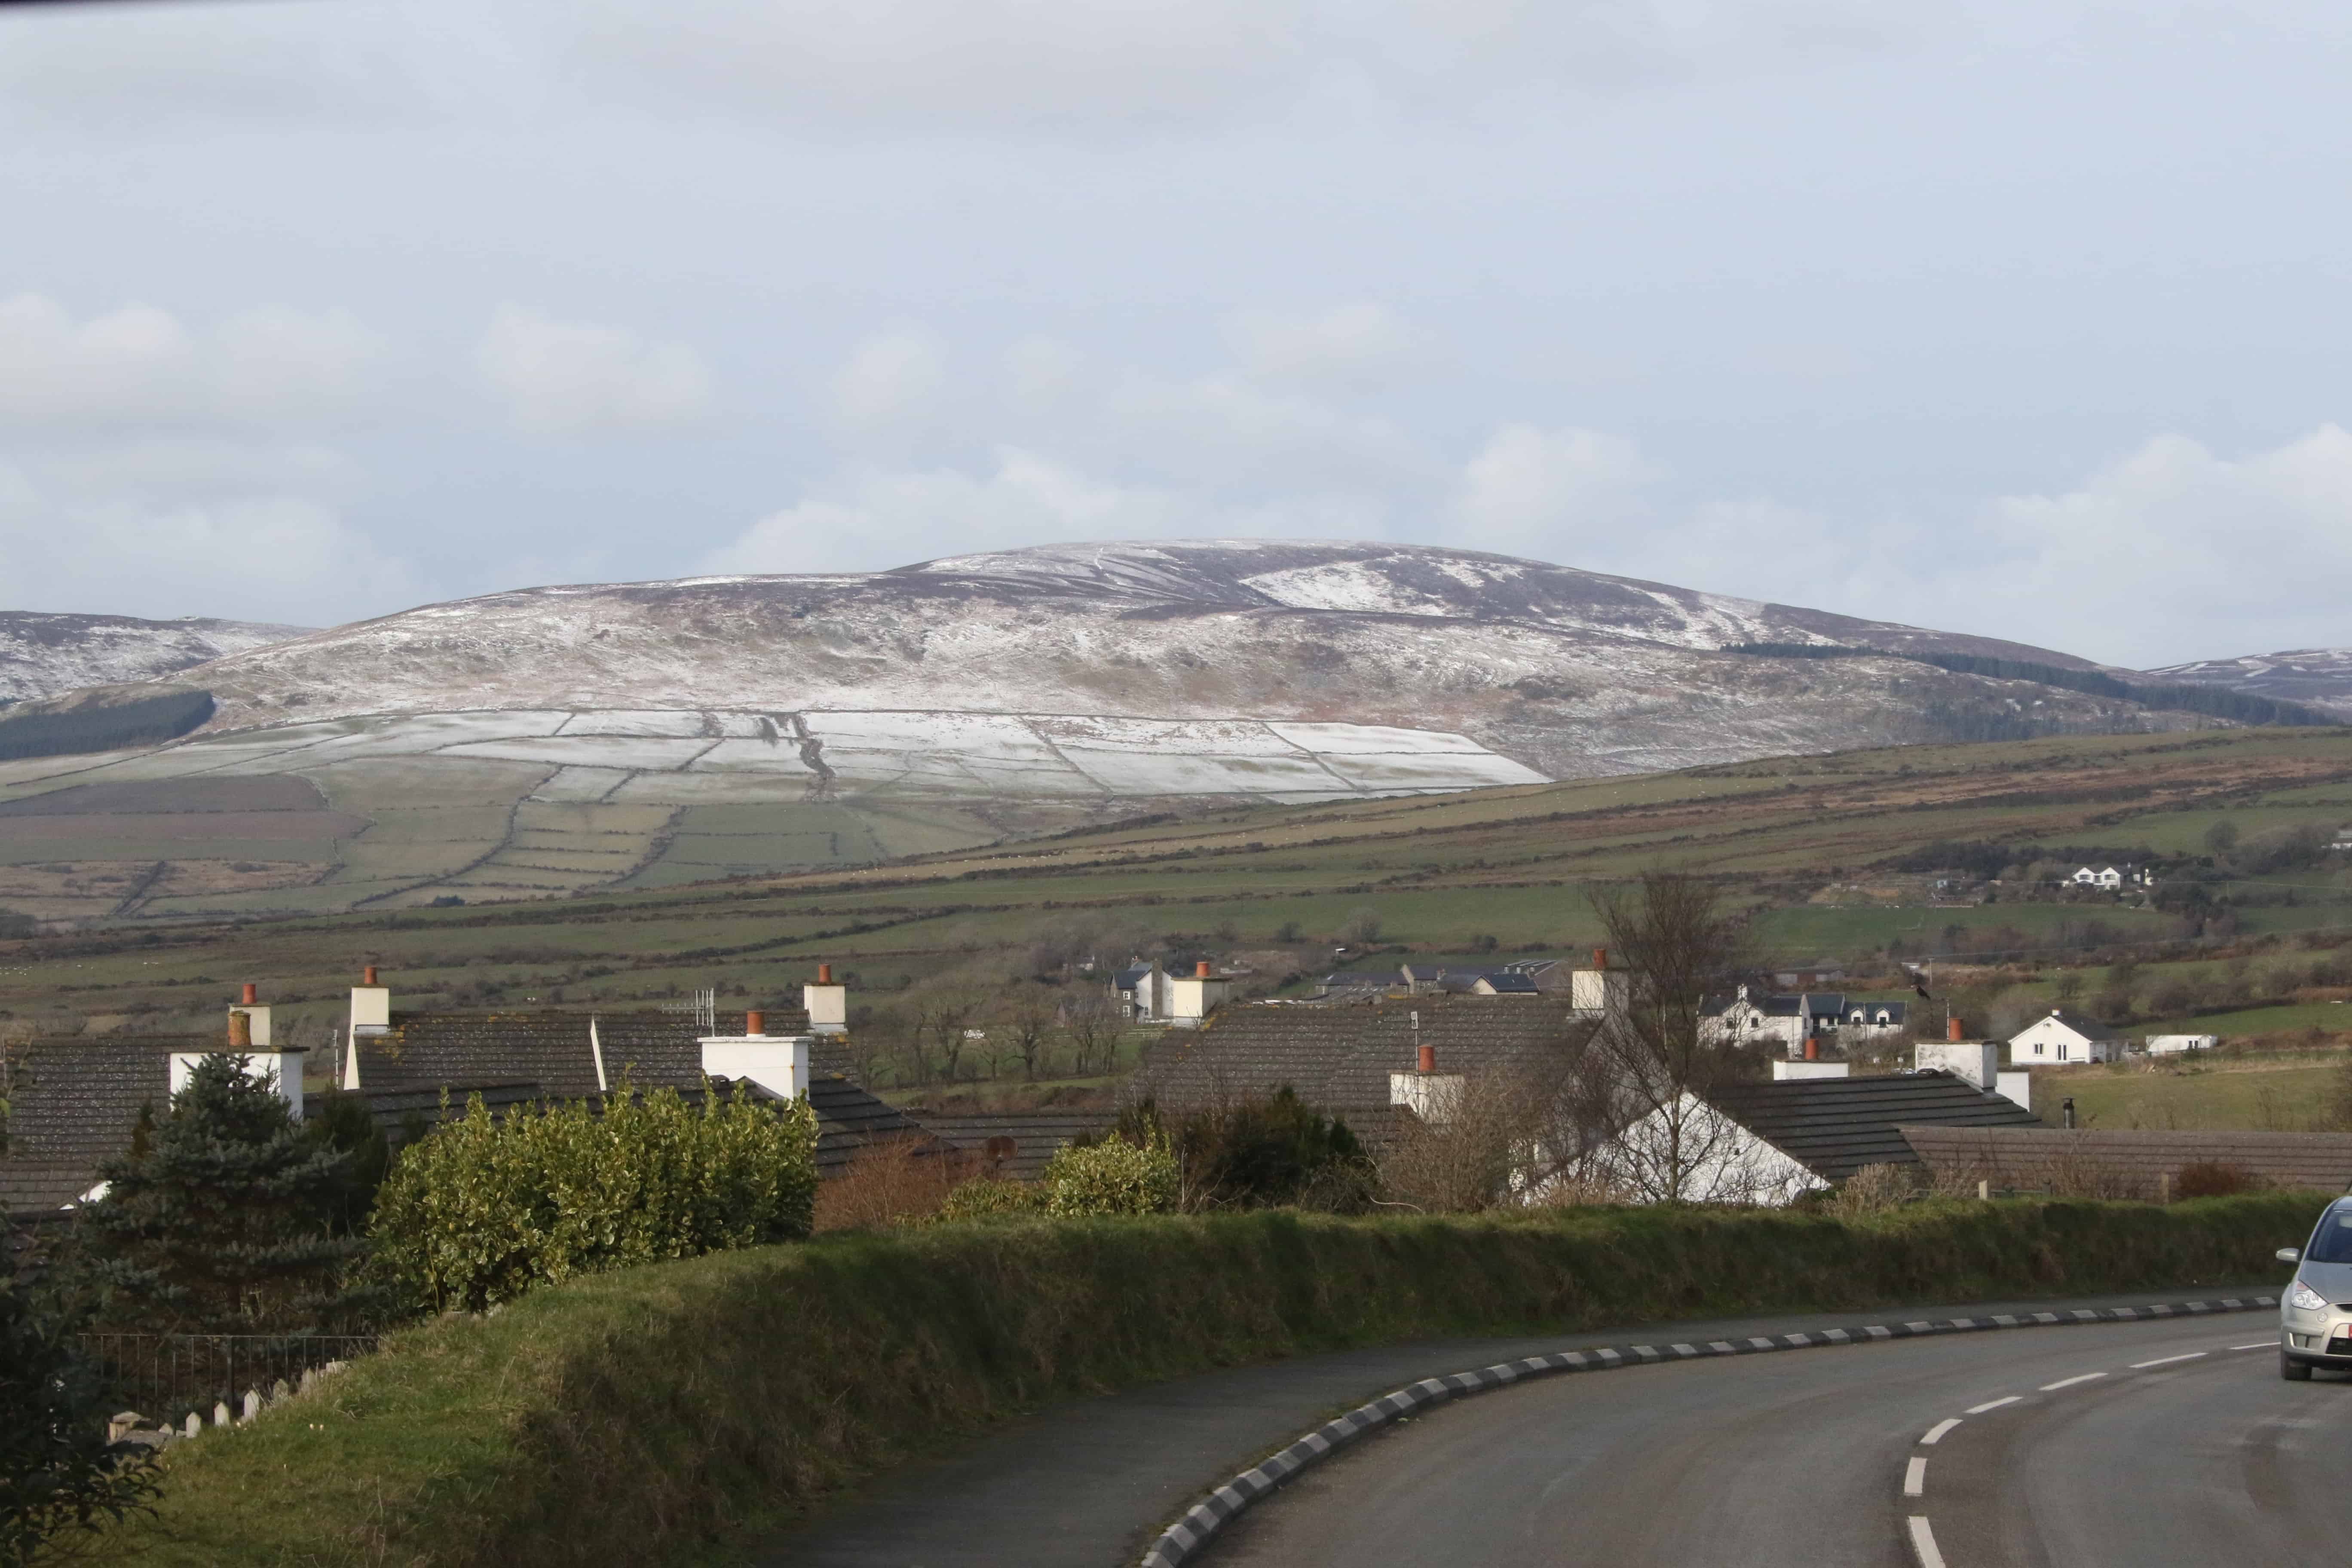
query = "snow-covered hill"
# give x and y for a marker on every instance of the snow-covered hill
(552, 739)
(41, 655)
(2318, 676)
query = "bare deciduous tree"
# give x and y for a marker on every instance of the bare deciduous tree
(1025, 1024)
(1651, 1064)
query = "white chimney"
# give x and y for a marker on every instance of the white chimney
(281, 1069)
(827, 1004)
(777, 1063)
(1976, 1061)
(255, 1015)
(1600, 989)
(1783, 1071)
(371, 1006)
(1192, 997)
(2016, 1086)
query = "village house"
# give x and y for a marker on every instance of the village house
(2062, 1038)
(1148, 994)
(1788, 1020)
(2112, 878)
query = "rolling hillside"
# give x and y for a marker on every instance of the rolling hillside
(557, 740)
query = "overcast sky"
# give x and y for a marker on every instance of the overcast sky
(2028, 318)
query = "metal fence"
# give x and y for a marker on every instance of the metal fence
(165, 1376)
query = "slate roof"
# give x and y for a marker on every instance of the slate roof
(1835, 1126)
(547, 1047)
(1338, 1056)
(2130, 1163)
(1035, 1134)
(73, 1105)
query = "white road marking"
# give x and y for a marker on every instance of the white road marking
(1915, 1477)
(1936, 1433)
(2258, 1345)
(2070, 1382)
(1923, 1541)
(2168, 1360)
(1993, 1405)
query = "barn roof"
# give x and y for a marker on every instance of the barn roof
(2130, 1163)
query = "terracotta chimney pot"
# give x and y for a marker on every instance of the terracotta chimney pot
(1201, 970)
(1812, 1049)
(250, 996)
(755, 1024)
(1952, 1028)
(825, 975)
(1429, 1058)
(1599, 958)
(367, 975)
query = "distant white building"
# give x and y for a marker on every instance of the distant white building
(2114, 879)
(2063, 1037)
(2166, 1045)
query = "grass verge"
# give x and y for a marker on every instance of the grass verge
(647, 1415)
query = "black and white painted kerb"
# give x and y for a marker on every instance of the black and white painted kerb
(1186, 1538)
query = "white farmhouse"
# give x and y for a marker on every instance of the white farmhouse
(2114, 879)
(2064, 1036)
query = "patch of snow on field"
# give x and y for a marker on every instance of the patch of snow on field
(779, 756)
(1358, 586)
(572, 785)
(626, 722)
(1342, 739)
(1137, 773)
(629, 751)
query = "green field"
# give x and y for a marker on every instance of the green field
(2288, 1095)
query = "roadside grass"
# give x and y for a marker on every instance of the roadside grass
(661, 1415)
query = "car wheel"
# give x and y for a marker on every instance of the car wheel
(2293, 1370)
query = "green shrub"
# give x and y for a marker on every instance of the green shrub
(482, 1210)
(1258, 1153)
(1113, 1177)
(990, 1197)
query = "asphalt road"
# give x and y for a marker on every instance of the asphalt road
(2138, 1444)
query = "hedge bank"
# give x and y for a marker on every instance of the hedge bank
(654, 1411)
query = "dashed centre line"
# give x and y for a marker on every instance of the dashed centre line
(1936, 1433)
(2168, 1360)
(2071, 1381)
(1915, 1477)
(1994, 1404)
(1923, 1541)
(2257, 1345)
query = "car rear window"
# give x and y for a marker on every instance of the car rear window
(2331, 1242)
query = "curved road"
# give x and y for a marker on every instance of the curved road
(2134, 1444)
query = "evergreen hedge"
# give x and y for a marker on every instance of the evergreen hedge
(483, 1210)
(670, 1407)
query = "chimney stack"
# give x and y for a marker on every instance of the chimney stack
(755, 1024)
(827, 1002)
(248, 1012)
(1952, 1028)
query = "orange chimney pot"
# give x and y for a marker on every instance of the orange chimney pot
(1201, 970)
(367, 975)
(825, 975)
(250, 997)
(1952, 1027)
(1429, 1058)
(755, 1023)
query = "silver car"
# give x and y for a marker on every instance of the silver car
(2316, 1311)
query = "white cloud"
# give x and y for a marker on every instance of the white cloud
(139, 364)
(1346, 346)
(173, 529)
(894, 376)
(1043, 370)
(1545, 492)
(569, 378)
(886, 520)
(2172, 553)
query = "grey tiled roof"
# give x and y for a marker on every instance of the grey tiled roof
(1338, 1057)
(546, 1047)
(1835, 1126)
(75, 1102)
(2134, 1161)
(1035, 1134)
